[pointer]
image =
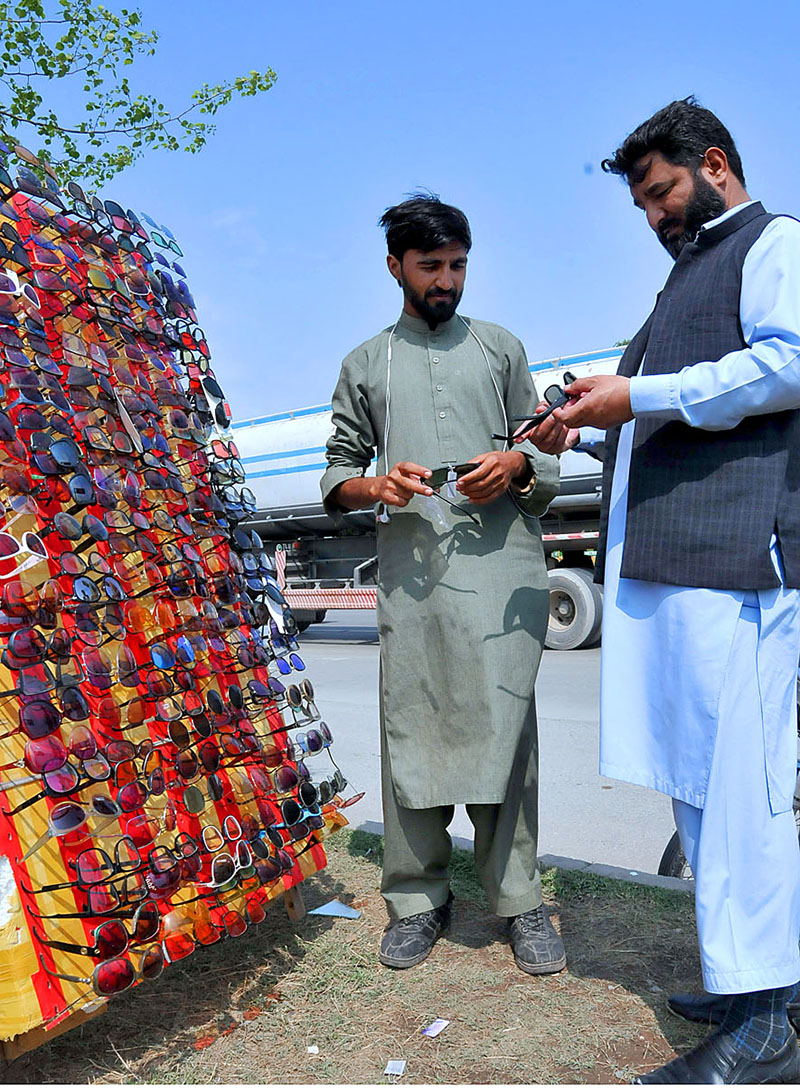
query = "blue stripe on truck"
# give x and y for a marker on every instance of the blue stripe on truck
(281, 454)
(313, 411)
(287, 469)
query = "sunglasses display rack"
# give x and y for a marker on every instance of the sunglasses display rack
(164, 772)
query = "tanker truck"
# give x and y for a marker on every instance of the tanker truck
(324, 565)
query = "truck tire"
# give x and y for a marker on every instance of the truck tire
(576, 609)
(674, 863)
(307, 621)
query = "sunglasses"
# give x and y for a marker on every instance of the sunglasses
(27, 646)
(330, 788)
(109, 940)
(10, 286)
(555, 396)
(95, 867)
(62, 781)
(116, 975)
(314, 741)
(68, 817)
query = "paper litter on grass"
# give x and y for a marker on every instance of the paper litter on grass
(435, 1028)
(336, 908)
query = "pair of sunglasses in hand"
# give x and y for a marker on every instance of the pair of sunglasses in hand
(439, 478)
(555, 396)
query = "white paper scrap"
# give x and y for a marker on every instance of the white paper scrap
(395, 1067)
(435, 1028)
(336, 908)
(313, 1049)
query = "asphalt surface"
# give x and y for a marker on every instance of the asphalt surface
(582, 814)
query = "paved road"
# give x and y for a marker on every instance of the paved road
(582, 815)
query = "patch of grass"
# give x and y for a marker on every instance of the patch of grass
(365, 845)
(464, 880)
(576, 883)
(247, 1011)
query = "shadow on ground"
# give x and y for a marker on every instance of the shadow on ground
(309, 1003)
(633, 942)
(205, 997)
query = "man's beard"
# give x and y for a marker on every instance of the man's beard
(433, 310)
(705, 204)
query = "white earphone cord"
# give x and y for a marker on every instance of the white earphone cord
(389, 385)
(472, 333)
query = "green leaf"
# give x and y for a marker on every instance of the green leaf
(44, 44)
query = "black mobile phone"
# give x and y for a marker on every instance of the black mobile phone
(439, 476)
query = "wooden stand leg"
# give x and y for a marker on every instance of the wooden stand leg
(295, 907)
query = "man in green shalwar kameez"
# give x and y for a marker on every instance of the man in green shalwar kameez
(462, 592)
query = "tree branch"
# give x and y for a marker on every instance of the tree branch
(129, 131)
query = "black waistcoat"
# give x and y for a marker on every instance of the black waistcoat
(703, 505)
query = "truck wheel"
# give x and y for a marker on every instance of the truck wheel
(576, 609)
(673, 862)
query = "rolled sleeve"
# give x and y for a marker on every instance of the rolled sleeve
(544, 484)
(351, 447)
(520, 397)
(331, 479)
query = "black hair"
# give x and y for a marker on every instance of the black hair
(682, 131)
(424, 223)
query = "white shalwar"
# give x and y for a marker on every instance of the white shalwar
(697, 692)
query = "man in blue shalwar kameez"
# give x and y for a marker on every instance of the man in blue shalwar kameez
(701, 564)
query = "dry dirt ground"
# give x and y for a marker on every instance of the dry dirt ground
(248, 1011)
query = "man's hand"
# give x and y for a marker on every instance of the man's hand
(551, 436)
(396, 488)
(404, 480)
(496, 470)
(602, 401)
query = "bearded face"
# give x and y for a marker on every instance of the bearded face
(705, 203)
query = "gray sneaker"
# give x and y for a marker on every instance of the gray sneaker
(408, 941)
(535, 943)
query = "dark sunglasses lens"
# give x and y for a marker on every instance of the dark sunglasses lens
(286, 778)
(151, 962)
(291, 812)
(194, 800)
(74, 705)
(222, 870)
(186, 764)
(132, 796)
(111, 940)
(146, 922)
(112, 977)
(268, 870)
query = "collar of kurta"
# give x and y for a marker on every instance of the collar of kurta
(419, 325)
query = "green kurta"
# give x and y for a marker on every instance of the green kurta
(462, 609)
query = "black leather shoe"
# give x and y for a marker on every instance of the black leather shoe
(408, 941)
(713, 1008)
(718, 1062)
(536, 945)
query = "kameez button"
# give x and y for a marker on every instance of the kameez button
(442, 415)
(435, 359)
(440, 388)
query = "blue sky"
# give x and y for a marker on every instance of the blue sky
(504, 109)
